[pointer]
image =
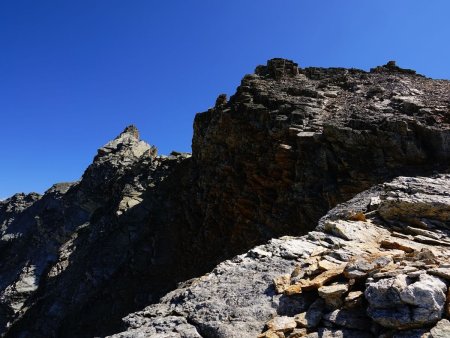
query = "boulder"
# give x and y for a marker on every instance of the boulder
(441, 329)
(402, 302)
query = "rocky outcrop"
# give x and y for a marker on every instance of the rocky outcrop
(269, 161)
(75, 251)
(358, 274)
(292, 143)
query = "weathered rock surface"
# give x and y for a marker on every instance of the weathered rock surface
(405, 302)
(395, 298)
(75, 252)
(270, 161)
(299, 141)
(441, 330)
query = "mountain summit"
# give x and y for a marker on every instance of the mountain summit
(349, 166)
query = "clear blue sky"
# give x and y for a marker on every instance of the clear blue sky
(74, 73)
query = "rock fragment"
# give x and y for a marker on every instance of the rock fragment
(282, 282)
(312, 317)
(441, 330)
(400, 302)
(350, 319)
(333, 294)
(283, 324)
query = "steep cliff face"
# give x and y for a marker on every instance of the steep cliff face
(376, 266)
(292, 143)
(287, 147)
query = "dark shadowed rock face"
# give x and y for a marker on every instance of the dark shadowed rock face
(89, 247)
(292, 143)
(270, 161)
(365, 271)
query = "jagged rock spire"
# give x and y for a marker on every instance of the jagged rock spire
(131, 130)
(127, 141)
(221, 101)
(391, 67)
(278, 68)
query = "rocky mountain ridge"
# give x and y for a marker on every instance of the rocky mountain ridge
(290, 145)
